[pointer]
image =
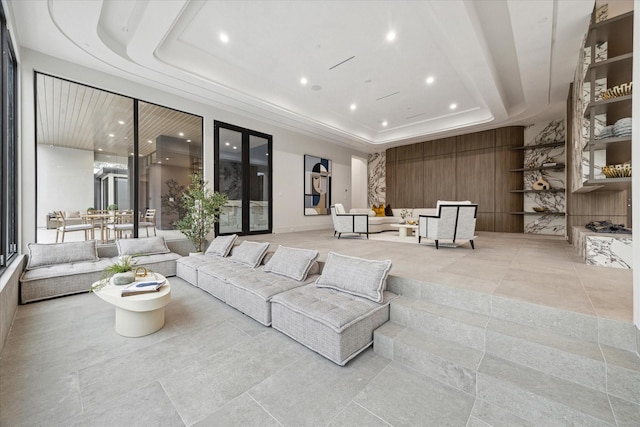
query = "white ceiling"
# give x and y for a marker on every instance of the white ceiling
(500, 61)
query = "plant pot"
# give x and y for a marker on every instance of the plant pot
(124, 278)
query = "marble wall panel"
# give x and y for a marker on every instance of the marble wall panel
(376, 171)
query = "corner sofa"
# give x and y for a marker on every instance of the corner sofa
(59, 269)
(331, 308)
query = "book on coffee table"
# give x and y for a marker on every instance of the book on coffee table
(137, 288)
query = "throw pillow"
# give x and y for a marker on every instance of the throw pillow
(221, 245)
(249, 253)
(379, 210)
(356, 276)
(291, 262)
(42, 255)
(339, 208)
(388, 211)
(142, 246)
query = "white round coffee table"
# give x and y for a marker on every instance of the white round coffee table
(138, 315)
(404, 230)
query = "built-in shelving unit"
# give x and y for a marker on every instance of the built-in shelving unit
(551, 190)
(537, 213)
(617, 68)
(559, 166)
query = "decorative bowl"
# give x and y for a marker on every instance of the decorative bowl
(616, 91)
(617, 171)
(540, 209)
(411, 222)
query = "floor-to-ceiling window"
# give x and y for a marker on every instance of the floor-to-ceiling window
(243, 173)
(8, 149)
(105, 159)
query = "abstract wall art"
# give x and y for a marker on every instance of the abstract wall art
(317, 185)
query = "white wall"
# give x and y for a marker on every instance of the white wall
(359, 182)
(65, 180)
(289, 146)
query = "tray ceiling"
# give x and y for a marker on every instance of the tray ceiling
(492, 63)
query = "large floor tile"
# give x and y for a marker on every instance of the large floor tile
(240, 412)
(416, 400)
(356, 415)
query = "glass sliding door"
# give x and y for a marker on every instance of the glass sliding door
(123, 160)
(230, 174)
(243, 173)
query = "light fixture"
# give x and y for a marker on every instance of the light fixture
(235, 148)
(430, 80)
(159, 163)
(99, 149)
(166, 158)
(384, 124)
(188, 140)
(227, 143)
(391, 36)
(267, 154)
(181, 134)
(353, 107)
(303, 81)
(453, 106)
(131, 154)
(111, 135)
(224, 38)
(149, 141)
(121, 122)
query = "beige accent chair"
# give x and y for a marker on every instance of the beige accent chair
(123, 222)
(452, 221)
(148, 221)
(62, 226)
(348, 222)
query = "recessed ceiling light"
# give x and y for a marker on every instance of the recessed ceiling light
(166, 158)
(391, 36)
(140, 155)
(453, 106)
(99, 149)
(149, 141)
(188, 140)
(111, 135)
(303, 81)
(131, 154)
(267, 154)
(384, 124)
(227, 143)
(353, 107)
(430, 80)
(181, 134)
(120, 122)
(224, 38)
(235, 148)
(159, 163)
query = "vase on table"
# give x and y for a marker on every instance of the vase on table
(123, 278)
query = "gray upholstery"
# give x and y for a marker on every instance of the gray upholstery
(335, 324)
(221, 245)
(249, 253)
(41, 255)
(164, 264)
(187, 267)
(291, 262)
(348, 222)
(142, 246)
(452, 221)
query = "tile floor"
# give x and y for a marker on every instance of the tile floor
(63, 363)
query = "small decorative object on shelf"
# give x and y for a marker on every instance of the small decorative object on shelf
(140, 272)
(540, 209)
(412, 222)
(541, 184)
(620, 90)
(549, 162)
(617, 171)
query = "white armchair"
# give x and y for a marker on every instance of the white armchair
(452, 221)
(348, 222)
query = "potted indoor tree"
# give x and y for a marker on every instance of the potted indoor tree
(203, 209)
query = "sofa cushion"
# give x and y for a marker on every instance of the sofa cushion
(249, 253)
(291, 262)
(142, 246)
(41, 255)
(379, 210)
(221, 245)
(356, 276)
(388, 211)
(339, 207)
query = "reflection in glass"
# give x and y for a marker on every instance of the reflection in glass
(231, 183)
(258, 183)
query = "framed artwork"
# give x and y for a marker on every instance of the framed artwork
(317, 185)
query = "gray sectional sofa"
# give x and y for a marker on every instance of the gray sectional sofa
(332, 308)
(59, 269)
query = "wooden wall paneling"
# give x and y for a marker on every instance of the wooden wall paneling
(507, 223)
(475, 178)
(408, 152)
(510, 136)
(392, 154)
(390, 181)
(485, 221)
(439, 147)
(409, 178)
(439, 179)
(476, 141)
